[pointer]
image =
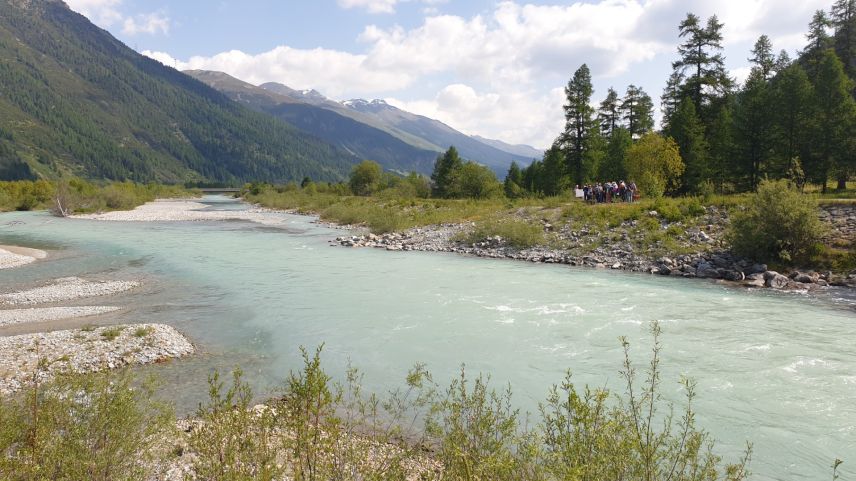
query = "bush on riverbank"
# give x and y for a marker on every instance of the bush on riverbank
(95, 427)
(80, 196)
(778, 224)
(99, 428)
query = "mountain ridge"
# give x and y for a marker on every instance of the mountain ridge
(77, 101)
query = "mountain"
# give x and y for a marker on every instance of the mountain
(419, 131)
(519, 149)
(307, 111)
(439, 134)
(76, 100)
(313, 97)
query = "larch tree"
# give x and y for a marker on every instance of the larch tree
(701, 61)
(445, 169)
(819, 42)
(843, 20)
(609, 113)
(688, 132)
(763, 59)
(637, 110)
(792, 94)
(578, 121)
(835, 123)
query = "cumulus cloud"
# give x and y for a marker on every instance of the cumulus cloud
(152, 23)
(500, 74)
(106, 13)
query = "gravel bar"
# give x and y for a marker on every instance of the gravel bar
(86, 350)
(66, 289)
(43, 314)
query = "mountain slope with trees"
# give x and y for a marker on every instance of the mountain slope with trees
(361, 139)
(77, 101)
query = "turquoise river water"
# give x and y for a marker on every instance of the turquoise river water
(775, 369)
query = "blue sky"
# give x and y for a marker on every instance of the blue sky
(493, 68)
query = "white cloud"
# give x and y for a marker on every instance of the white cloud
(101, 12)
(500, 74)
(152, 23)
(373, 6)
(388, 6)
(106, 13)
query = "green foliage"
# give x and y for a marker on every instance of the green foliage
(445, 169)
(579, 122)
(777, 224)
(655, 164)
(98, 427)
(688, 132)
(233, 442)
(514, 232)
(79, 196)
(474, 181)
(365, 177)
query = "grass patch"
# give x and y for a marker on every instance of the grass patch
(514, 232)
(143, 331)
(112, 333)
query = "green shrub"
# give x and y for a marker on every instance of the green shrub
(102, 427)
(777, 224)
(514, 232)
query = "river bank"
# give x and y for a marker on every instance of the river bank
(39, 356)
(693, 247)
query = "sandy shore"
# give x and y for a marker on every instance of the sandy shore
(86, 350)
(44, 314)
(14, 256)
(66, 289)
(184, 211)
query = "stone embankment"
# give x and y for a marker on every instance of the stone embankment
(614, 250)
(842, 219)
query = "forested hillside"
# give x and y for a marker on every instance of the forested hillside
(74, 100)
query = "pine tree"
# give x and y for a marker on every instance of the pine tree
(835, 121)
(671, 99)
(818, 43)
(609, 114)
(553, 172)
(613, 165)
(843, 19)
(513, 184)
(578, 121)
(792, 113)
(638, 112)
(688, 131)
(721, 140)
(753, 124)
(701, 58)
(445, 169)
(763, 58)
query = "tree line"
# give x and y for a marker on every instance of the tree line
(792, 118)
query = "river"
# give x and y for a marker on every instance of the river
(776, 369)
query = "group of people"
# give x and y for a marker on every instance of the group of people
(608, 192)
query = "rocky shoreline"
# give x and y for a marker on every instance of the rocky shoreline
(40, 356)
(708, 260)
(44, 355)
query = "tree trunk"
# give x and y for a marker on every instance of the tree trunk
(842, 182)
